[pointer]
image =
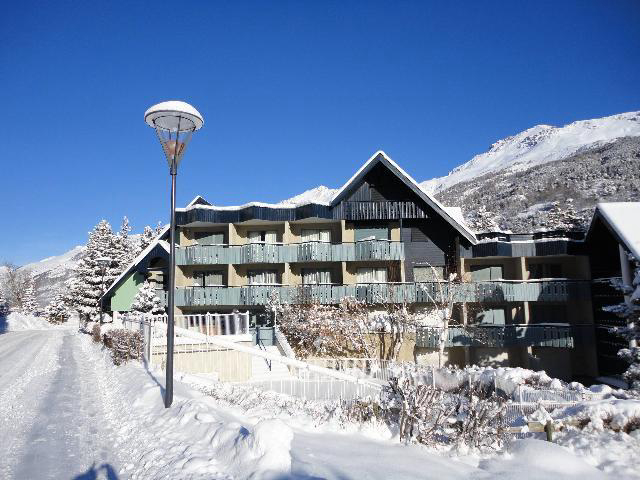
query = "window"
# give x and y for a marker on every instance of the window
(372, 275)
(313, 235)
(427, 274)
(316, 276)
(371, 233)
(494, 316)
(545, 270)
(263, 277)
(486, 273)
(263, 236)
(548, 313)
(209, 238)
(208, 278)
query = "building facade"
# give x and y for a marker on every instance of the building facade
(525, 299)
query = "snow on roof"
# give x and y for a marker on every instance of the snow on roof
(458, 224)
(140, 257)
(622, 218)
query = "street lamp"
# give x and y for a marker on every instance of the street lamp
(103, 262)
(174, 123)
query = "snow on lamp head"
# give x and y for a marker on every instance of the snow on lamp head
(174, 122)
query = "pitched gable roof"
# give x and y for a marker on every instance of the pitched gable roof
(383, 158)
(158, 241)
(621, 219)
(198, 200)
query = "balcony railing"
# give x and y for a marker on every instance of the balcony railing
(546, 291)
(544, 335)
(302, 252)
(382, 210)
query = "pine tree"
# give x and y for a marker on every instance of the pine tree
(88, 284)
(124, 249)
(28, 305)
(56, 311)
(159, 227)
(630, 311)
(146, 301)
(147, 237)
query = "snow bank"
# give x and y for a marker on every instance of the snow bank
(616, 415)
(17, 321)
(536, 459)
(192, 439)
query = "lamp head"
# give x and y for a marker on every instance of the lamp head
(174, 122)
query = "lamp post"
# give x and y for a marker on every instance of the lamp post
(103, 262)
(174, 123)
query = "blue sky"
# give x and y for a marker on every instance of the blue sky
(294, 94)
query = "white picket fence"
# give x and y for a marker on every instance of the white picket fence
(219, 344)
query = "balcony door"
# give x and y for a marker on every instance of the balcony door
(372, 275)
(486, 273)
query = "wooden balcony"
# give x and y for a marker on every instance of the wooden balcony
(381, 293)
(384, 210)
(499, 336)
(291, 253)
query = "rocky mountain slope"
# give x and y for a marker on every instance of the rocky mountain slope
(539, 145)
(555, 195)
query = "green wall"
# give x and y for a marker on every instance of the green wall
(124, 294)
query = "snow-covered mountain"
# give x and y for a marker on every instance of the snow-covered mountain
(542, 178)
(51, 273)
(539, 145)
(319, 194)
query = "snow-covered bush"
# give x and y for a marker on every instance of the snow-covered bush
(470, 416)
(125, 345)
(146, 301)
(325, 330)
(56, 311)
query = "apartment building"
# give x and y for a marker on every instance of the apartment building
(526, 298)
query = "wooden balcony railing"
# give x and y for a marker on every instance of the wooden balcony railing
(383, 210)
(291, 253)
(544, 335)
(380, 293)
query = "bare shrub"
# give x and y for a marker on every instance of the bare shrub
(468, 416)
(125, 345)
(95, 333)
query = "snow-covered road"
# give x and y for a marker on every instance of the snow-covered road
(66, 412)
(50, 409)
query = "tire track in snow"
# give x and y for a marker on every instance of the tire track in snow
(67, 437)
(27, 377)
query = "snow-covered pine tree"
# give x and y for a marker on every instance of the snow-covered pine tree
(56, 311)
(125, 250)
(88, 284)
(630, 311)
(4, 304)
(29, 306)
(148, 235)
(146, 301)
